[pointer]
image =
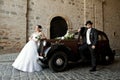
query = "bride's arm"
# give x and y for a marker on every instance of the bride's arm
(43, 36)
(30, 38)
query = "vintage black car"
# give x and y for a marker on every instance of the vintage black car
(56, 53)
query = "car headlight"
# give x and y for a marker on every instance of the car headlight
(44, 43)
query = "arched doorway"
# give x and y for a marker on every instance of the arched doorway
(58, 27)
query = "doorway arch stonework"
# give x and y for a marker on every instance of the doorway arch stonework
(69, 27)
(58, 27)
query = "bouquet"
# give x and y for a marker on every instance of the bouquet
(37, 38)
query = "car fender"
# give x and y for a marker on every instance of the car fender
(57, 47)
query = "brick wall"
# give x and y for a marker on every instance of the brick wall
(12, 25)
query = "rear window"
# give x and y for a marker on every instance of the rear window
(102, 37)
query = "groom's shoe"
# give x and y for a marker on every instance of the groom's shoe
(93, 69)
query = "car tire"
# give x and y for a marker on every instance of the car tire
(58, 61)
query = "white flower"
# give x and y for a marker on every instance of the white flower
(68, 35)
(37, 37)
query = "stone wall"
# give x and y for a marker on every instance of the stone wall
(112, 22)
(18, 18)
(12, 25)
(43, 12)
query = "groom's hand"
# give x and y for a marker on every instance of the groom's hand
(93, 46)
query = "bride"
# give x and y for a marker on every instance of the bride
(27, 58)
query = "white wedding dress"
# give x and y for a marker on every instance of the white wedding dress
(27, 58)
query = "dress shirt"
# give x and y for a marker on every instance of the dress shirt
(88, 36)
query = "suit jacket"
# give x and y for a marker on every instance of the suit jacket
(93, 35)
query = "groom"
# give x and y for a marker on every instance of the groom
(90, 39)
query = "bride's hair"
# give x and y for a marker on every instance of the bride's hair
(39, 26)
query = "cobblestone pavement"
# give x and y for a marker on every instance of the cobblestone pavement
(74, 72)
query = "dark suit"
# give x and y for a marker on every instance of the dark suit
(93, 39)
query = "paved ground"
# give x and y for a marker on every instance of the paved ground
(74, 72)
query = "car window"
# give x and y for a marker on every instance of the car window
(101, 37)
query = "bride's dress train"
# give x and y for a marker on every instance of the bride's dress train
(27, 59)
